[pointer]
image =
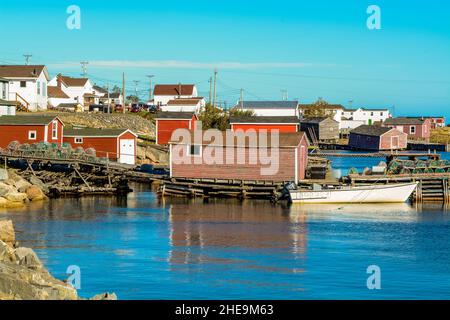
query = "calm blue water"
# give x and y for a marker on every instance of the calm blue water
(142, 248)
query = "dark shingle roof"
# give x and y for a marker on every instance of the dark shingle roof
(403, 121)
(267, 105)
(264, 120)
(74, 82)
(92, 132)
(56, 92)
(370, 130)
(26, 120)
(174, 115)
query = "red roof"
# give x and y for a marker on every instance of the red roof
(74, 82)
(56, 92)
(21, 71)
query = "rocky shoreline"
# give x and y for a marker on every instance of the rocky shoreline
(15, 191)
(24, 277)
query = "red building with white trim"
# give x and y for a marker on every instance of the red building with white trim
(168, 122)
(116, 144)
(282, 124)
(284, 159)
(416, 128)
(30, 129)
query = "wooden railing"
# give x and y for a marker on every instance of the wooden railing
(21, 102)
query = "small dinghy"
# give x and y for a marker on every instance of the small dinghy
(390, 193)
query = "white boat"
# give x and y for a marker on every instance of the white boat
(390, 193)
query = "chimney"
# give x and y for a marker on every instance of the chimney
(179, 90)
(59, 80)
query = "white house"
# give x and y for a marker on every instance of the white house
(270, 108)
(79, 90)
(368, 116)
(7, 108)
(194, 105)
(332, 110)
(57, 95)
(27, 85)
(163, 93)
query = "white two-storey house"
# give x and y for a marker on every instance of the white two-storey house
(79, 90)
(7, 108)
(27, 85)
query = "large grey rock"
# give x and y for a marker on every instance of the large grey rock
(22, 185)
(28, 258)
(5, 189)
(7, 233)
(38, 182)
(6, 253)
(16, 197)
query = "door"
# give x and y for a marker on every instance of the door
(127, 151)
(395, 142)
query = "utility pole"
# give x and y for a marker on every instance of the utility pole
(123, 93)
(215, 87)
(150, 76)
(84, 68)
(210, 90)
(27, 57)
(241, 101)
(136, 83)
(284, 94)
(109, 102)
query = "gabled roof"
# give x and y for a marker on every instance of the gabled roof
(268, 120)
(94, 132)
(114, 95)
(185, 101)
(267, 105)
(324, 106)
(3, 80)
(240, 139)
(368, 130)
(22, 71)
(56, 92)
(174, 90)
(174, 115)
(74, 82)
(100, 89)
(403, 121)
(316, 120)
(27, 120)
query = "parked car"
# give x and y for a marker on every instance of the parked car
(152, 108)
(119, 108)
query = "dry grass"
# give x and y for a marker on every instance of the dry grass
(441, 135)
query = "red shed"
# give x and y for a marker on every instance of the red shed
(168, 122)
(30, 129)
(116, 144)
(216, 154)
(376, 138)
(282, 124)
(415, 128)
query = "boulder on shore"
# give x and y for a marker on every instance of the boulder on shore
(7, 233)
(34, 193)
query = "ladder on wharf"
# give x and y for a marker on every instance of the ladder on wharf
(432, 187)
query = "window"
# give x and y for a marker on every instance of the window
(32, 135)
(55, 130)
(371, 114)
(194, 150)
(38, 87)
(23, 84)
(44, 89)
(4, 90)
(381, 113)
(412, 129)
(78, 140)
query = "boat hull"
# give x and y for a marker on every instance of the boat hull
(395, 193)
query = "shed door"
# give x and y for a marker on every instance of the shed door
(127, 151)
(394, 142)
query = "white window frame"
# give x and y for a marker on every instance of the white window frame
(54, 129)
(78, 140)
(194, 145)
(412, 129)
(38, 87)
(30, 132)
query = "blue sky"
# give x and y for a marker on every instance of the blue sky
(309, 48)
